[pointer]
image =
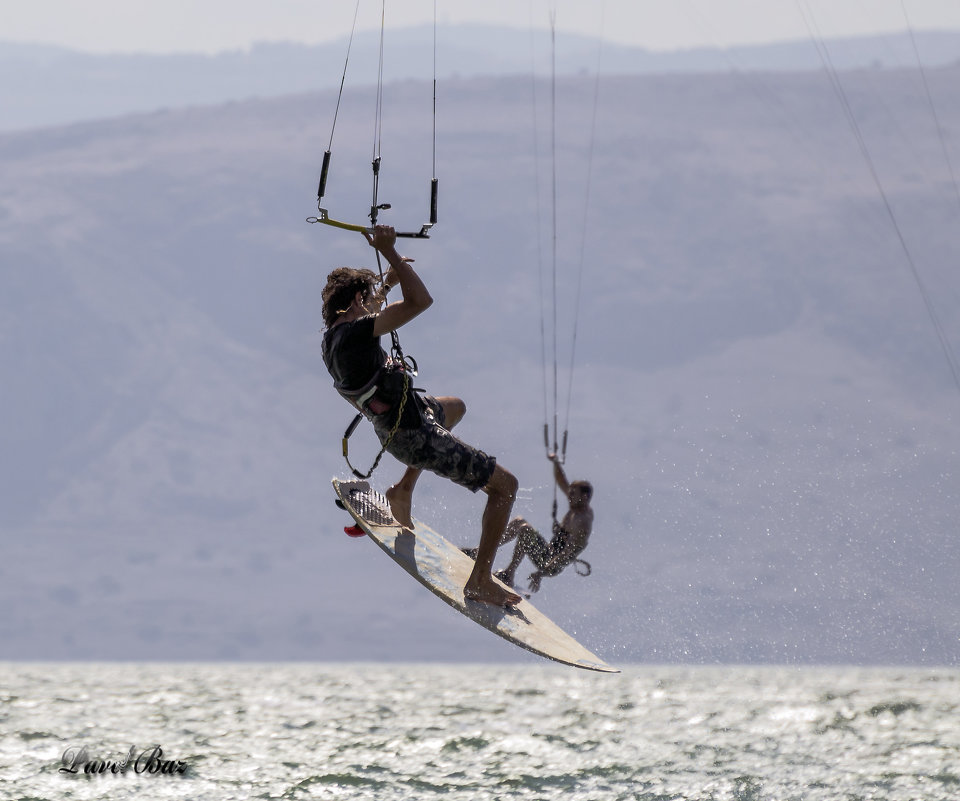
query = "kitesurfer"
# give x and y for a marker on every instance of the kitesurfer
(570, 535)
(412, 426)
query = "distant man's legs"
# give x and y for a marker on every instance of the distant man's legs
(529, 543)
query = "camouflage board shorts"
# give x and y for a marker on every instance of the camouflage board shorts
(432, 447)
(535, 546)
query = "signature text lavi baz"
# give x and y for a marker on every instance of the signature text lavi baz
(149, 761)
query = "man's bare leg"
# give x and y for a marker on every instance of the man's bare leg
(400, 495)
(513, 529)
(501, 491)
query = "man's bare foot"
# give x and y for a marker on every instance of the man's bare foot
(489, 592)
(400, 501)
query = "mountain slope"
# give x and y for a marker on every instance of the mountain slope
(760, 398)
(42, 85)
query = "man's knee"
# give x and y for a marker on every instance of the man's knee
(503, 484)
(453, 410)
(514, 527)
(512, 485)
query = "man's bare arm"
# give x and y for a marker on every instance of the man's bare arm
(559, 476)
(416, 298)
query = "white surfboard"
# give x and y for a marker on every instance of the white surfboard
(443, 569)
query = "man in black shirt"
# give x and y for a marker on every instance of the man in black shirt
(414, 428)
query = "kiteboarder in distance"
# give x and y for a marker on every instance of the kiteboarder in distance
(570, 535)
(413, 427)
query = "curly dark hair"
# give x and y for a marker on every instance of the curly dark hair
(342, 285)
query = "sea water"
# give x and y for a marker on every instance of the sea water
(521, 731)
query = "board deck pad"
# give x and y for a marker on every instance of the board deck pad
(443, 569)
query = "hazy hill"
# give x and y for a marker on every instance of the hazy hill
(760, 397)
(42, 85)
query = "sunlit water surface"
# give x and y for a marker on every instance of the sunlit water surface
(391, 732)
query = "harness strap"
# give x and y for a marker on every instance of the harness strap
(396, 427)
(358, 397)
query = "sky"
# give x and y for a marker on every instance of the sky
(217, 25)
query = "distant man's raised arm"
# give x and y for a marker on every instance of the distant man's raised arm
(559, 476)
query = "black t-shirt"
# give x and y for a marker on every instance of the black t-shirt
(352, 353)
(353, 357)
